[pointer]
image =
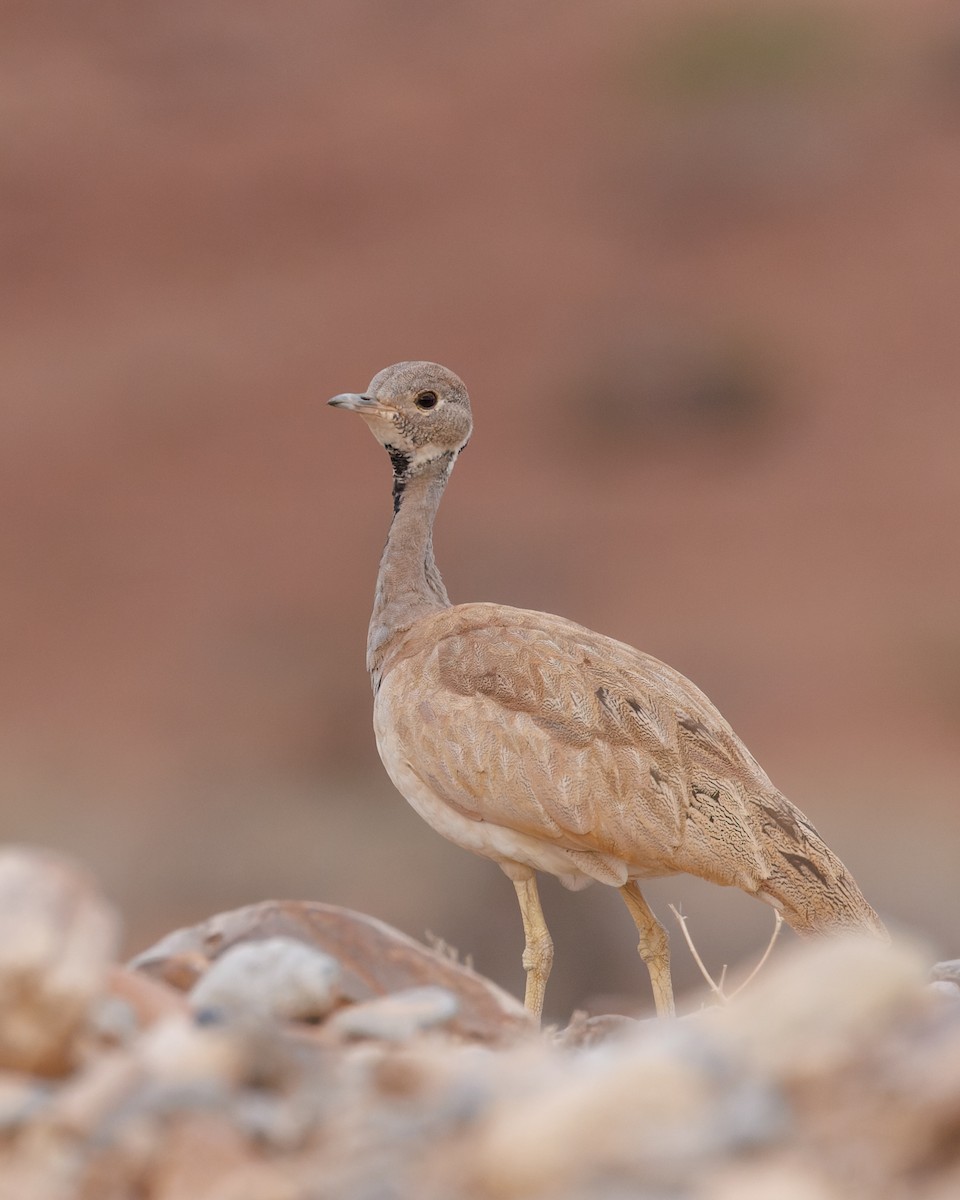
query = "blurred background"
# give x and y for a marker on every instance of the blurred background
(699, 265)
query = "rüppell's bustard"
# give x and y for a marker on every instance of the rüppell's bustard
(546, 747)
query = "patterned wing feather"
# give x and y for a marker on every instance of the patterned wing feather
(546, 728)
(535, 724)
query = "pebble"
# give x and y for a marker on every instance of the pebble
(278, 977)
(397, 1017)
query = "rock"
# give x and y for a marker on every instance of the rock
(834, 995)
(760, 1181)
(21, 1098)
(396, 1018)
(654, 1106)
(278, 977)
(202, 1151)
(177, 1052)
(57, 939)
(113, 1021)
(22, 1177)
(178, 970)
(375, 960)
(835, 1075)
(948, 971)
(86, 1102)
(150, 1000)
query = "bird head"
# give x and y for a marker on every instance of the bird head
(419, 411)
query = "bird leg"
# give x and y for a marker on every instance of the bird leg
(538, 944)
(654, 948)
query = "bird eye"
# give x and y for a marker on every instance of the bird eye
(426, 400)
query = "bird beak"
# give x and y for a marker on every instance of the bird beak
(354, 402)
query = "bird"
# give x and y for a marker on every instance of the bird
(537, 743)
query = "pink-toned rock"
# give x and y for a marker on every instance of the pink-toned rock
(150, 999)
(201, 1152)
(374, 958)
(91, 1095)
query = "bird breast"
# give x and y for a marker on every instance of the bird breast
(435, 804)
(526, 738)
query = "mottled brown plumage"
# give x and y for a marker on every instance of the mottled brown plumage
(544, 746)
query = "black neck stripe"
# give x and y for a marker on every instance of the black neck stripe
(399, 483)
(401, 465)
(401, 470)
(400, 460)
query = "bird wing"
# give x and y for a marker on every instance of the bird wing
(536, 724)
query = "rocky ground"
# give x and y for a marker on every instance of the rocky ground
(290, 1051)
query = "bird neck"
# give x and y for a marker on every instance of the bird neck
(409, 586)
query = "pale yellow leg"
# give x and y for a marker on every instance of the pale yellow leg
(538, 944)
(654, 948)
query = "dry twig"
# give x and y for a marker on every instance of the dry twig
(715, 987)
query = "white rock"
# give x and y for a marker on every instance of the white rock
(278, 977)
(397, 1017)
